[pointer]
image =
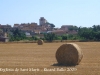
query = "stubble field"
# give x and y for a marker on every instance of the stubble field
(33, 59)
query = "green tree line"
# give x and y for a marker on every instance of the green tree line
(90, 33)
(83, 33)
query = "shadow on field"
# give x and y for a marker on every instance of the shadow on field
(61, 65)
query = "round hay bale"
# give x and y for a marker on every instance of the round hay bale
(69, 54)
(40, 42)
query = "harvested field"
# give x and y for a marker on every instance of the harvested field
(33, 59)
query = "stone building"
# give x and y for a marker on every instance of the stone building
(66, 27)
(5, 28)
(4, 37)
(42, 21)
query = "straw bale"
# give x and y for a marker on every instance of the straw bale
(40, 42)
(69, 54)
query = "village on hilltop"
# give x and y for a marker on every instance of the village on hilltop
(32, 29)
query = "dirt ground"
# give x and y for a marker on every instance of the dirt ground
(33, 59)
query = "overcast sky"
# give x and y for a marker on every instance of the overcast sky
(83, 13)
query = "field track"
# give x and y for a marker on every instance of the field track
(25, 56)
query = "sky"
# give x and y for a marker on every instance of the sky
(84, 13)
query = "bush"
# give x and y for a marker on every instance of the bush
(64, 37)
(34, 38)
(49, 37)
(17, 35)
(58, 38)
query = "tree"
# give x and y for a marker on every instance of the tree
(58, 37)
(64, 37)
(17, 35)
(73, 28)
(34, 38)
(49, 37)
(91, 33)
(51, 24)
(1, 32)
(96, 27)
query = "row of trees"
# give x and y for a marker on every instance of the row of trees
(17, 35)
(91, 33)
(84, 33)
(51, 36)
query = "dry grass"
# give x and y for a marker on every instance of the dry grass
(30, 55)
